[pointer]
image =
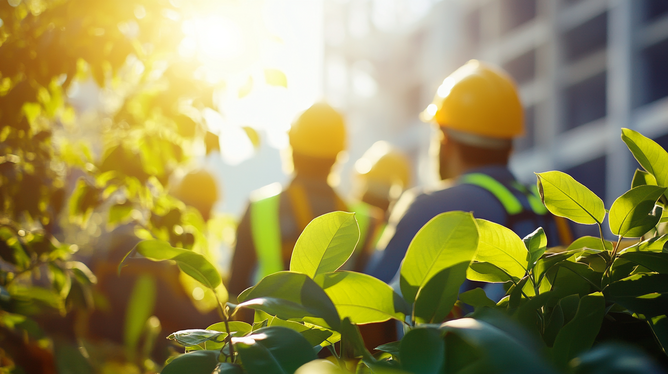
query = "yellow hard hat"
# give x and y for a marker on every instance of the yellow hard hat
(479, 99)
(198, 189)
(319, 131)
(384, 165)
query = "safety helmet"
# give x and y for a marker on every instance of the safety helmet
(198, 189)
(384, 165)
(319, 131)
(478, 99)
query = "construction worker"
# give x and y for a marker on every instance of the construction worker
(382, 173)
(276, 217)
(478, 113)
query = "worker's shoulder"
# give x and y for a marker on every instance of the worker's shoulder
(450, 195)
(266, 192)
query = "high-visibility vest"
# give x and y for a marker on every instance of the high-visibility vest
(266, 233)
(514, 207)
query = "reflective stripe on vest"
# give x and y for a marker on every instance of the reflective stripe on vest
(266, 231)
(503, 194)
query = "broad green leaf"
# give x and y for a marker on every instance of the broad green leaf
(275, 77)
(590, 242)
(578, 335)
(659, 325)
(290, 295)
(501, 247)
(392, 348)
(325, 244)
(555, 321)
(654, 244)
(320, 366)
(565, 197)
(197, 362)
(536, 244)
(657, 262)
(435, 299)
(503, 353)
(486, 272)
(422, 351)
(273, 349)
(196, 336)
(642, 178)
(650, 155)
(352, 345)
(314, 335)
(645, 293)
(616, 357)
(362, 298)
(476, 298)
(140, 308)
(191, 263)
(630, 215)
(446, 240)
(237, 328)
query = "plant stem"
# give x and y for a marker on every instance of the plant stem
(613, 256)
(223, 315)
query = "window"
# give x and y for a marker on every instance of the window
(523, 67)
(654, 73)
(527, 141)
(589, 37)
(585, 101)
(516, 12)
(592, 174)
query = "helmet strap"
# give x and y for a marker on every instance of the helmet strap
(476, 140)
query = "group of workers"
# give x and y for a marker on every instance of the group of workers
(478, 113)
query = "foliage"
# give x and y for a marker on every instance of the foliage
(551, 317)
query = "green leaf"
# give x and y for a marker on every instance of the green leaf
(578, 335)
(275, 77)
(502, 352)
(486, 272)
(362, 298)
(314, 335)
(653, 261)
(237, 328)
(392, 348)
(196, 336)
(446, 240)
(325, 244)
(645, 294)
(630, 215)
(436, 298)
(555, 322)
(501, 247)
(643, 178)
(227, 368)
(654, 244)
(659, 325)
(320, 366)
(590, 242)
(422, 351)
(140, 308)
(614, 358)
(197, 362)
(352, 345)
(476, 298)
(650, 155)
(290, 295)
(565, 197)
(536, 244)
(273, 349)
(191, 263)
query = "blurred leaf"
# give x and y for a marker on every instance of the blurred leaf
(642, 178)
(362, 298)
(650, 155)
(565, 197)
(392, 348)
(325, 244)
(273, 350)
(657, 262)
(197, 362)
(476, 298)
(578, 335)
(445, 241)
(614, 358)
(253, 136)
(60, 279)
(501, 247)
(227, 368)
(246, 88)
(275, 77)
(645, 293)
(659, 325)
(193, 264)
(320, 366)
(119, 213)
(422, 351)
(288, 295)
(140, 308)
(630, 215)
(536, 244)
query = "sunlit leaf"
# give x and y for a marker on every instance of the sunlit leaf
(362, 298)
(642, 178)
(650, 155)
(590, 242)
(325, 244)
(476, 298)
(314, 335)
(536, 244)
(275, 77)
(501, 247)
(140, 308)
(445, 241)
(630, 215)
(196, 336)
(565, 197)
